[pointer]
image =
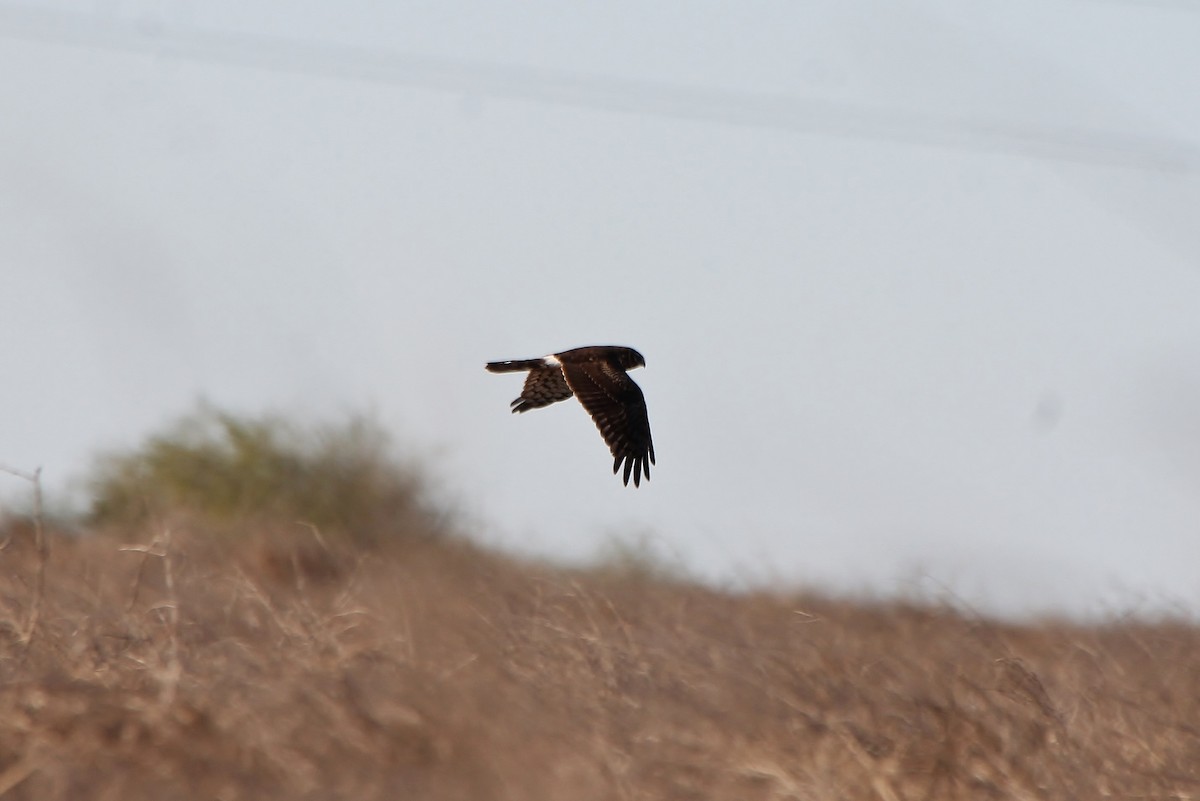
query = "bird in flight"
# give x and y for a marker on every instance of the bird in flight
(597, 376)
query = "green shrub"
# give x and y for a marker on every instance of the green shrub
(339, 478)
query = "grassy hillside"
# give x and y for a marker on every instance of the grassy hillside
(275, 665)
(222, 646)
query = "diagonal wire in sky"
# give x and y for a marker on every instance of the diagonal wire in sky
(556, 87)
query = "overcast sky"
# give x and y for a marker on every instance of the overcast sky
(917, 284)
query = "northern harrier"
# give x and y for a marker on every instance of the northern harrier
(596, 375)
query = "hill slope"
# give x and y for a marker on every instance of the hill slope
(277, 665)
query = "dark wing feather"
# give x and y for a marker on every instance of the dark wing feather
(618, 408)
(543, 386)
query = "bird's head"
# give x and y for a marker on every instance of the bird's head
(630, 359)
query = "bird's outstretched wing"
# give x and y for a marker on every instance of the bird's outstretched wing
(618, 408)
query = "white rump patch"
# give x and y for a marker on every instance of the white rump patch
(551, 361)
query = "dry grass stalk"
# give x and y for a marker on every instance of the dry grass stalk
(171, 669)
(42, 547)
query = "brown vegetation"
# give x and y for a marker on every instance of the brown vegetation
(279, 664)
(196, 643)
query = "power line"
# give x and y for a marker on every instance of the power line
(553, 87)
(1173, 5)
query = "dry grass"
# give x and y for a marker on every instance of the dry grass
(277, 665)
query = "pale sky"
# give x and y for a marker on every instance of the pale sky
(917, 284)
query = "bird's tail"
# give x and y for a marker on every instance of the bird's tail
(515, 366)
